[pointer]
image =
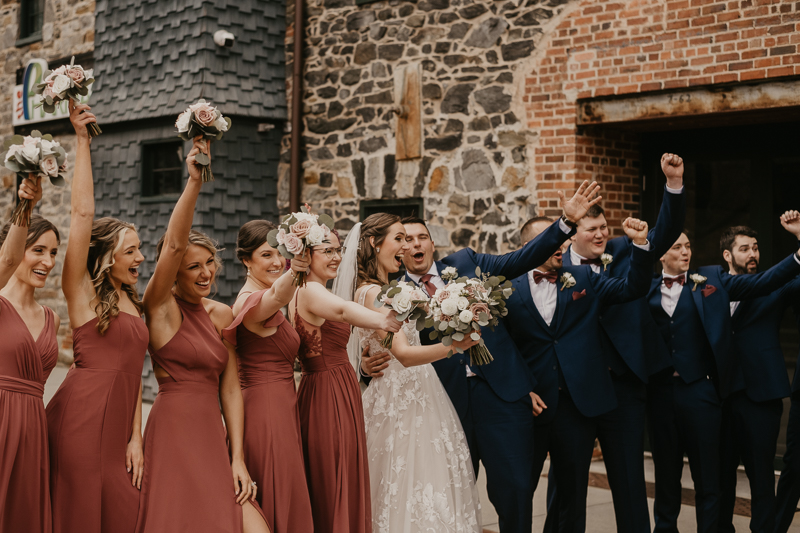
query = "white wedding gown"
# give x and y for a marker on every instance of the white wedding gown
(419, 464)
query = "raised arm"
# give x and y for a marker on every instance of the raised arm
(13, 249)
(672, 215)
(277, 296)
(176, 240)
(539, 250)
(325, 305)
(620, 290)
(75, 280)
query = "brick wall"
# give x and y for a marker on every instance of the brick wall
(603, 48)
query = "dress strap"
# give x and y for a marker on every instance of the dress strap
(363, 294)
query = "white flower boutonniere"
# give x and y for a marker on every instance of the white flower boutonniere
(567, 281)
(697, 279)
(606, 259)
(449, 273)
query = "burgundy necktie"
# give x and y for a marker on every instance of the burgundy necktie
(429, 286)
(595, 261)
(680, 280)
(547, 276)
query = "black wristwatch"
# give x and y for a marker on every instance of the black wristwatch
(568, 222)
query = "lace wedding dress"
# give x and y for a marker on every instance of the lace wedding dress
(419, 463)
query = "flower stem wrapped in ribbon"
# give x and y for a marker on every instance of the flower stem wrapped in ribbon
(407, 300)
(298, 232)
(66, 82)
(202, 120)
(463, 307)
(36, 155)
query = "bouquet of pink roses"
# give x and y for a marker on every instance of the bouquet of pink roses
(299, 231)
(407, 300)
(202, 119)
(65, 82)
(464, 306)
(38, 155)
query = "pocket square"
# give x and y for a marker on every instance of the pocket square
(708, 291)
(578, 295)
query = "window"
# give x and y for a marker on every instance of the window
(31, 18)
(162, 169)
(403, 207)
(361, 2)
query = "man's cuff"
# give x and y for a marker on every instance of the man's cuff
(674, 191)
(563, 227)
(646, 246)
(796, 258)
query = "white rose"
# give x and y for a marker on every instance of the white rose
(462, 303)
(61, 83)
(401, 302)
(47, 146)
(315, 236)
(465, 316)
(49, 165)
(31, 153)
(183, 121)
(221, 124)
(449, 307)
(305, 216)
(13, 150)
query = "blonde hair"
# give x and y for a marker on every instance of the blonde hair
(200, 239)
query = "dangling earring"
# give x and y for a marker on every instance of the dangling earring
(248, 272)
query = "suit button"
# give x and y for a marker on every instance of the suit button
(460, 361)
(554, 367)
(673, 336)
(671, 321)
(600, 317)
(555, 342)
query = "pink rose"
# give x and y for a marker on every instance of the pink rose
(301, 228)
(476, 309)
(76, 74)
(49, 165)
(292, 243)
(442, 295)
(204, 114)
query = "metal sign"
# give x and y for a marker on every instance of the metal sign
(25, 107)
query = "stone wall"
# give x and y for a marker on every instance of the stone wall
(68, 29)
(475, 174)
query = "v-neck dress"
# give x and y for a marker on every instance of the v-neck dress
(25, 363)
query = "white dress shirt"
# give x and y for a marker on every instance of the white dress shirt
(545, 296)
(576, 260)
(437, 280)
(670, 296)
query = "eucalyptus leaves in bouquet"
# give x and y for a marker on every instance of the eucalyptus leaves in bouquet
(206, 121)
(298, 232)
(407, 300)
(66, 82)
(463, 307)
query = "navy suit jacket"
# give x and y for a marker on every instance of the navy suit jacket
(629, 326)
(572, 341)
(507, 375)
(760, 365)
(715, 311)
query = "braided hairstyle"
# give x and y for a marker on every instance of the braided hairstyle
(376, 226)
(108, 235)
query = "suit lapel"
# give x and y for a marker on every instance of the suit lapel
(523, 286)
(567, 257)
(697, 296)
(561, 301)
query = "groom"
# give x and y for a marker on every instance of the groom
(494, 401)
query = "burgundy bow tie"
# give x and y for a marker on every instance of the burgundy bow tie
(595, 261)
(680, 280)
(547, 276)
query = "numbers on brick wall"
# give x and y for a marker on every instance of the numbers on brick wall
(680, 98)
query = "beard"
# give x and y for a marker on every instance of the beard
(749, 268)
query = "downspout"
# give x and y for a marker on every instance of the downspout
(297, 91)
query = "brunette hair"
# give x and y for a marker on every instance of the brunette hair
(728, 237)
(107, 238)
(37, 227)
(595, 211)
(252, 235)
(200, 239)
(415, 220)
(376, 226)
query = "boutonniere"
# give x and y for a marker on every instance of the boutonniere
(567, 281)
(697, 279)
(449, 273)
(606, 259)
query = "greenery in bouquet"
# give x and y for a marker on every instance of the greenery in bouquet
(405, 299)
(298, 232)
(38, 155)
(463, 307)
(66, 82)
(206, 121)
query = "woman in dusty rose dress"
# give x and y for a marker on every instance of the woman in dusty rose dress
(28, 353)
(331, 415)
(94, 419)
(190, 481)
(266, 346)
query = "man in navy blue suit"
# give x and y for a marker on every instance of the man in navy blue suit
(554, 319)
(751, 415)
(692, 310)
(493, 401)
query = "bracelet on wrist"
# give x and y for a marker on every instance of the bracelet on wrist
(568, 222)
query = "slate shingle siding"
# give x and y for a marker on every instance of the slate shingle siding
(154, 57)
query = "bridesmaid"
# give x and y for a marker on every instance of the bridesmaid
(188, 472)
(28, 353)
(95, 417)
(329, 398)
(267, 347)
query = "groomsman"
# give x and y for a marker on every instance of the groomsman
(789, 482)
(626, 330)
(493, 401)
(692, 310)
(751, 416)
(554, 319)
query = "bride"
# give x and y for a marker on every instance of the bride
(420, 469)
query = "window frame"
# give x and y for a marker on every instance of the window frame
(146, 171)
(368, 207)
(24, 18)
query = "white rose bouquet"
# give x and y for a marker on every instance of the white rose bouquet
(299, 231)
(63, 83)
(38, 155)
(464, 306)
(407, 300)
(206, 121)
